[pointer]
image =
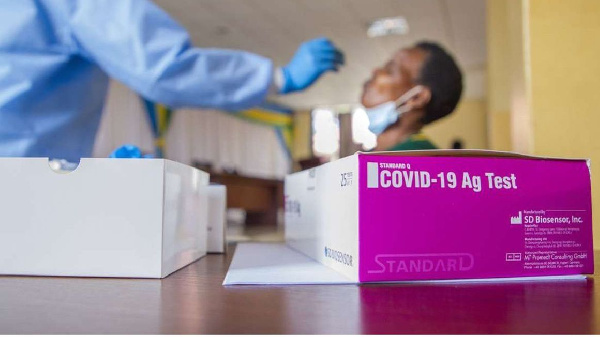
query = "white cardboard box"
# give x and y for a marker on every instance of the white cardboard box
(108, 218)
(217, 207)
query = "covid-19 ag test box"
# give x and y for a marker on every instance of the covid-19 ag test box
(428, 215)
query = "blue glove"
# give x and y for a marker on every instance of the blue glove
(128, 151)
(312, 59)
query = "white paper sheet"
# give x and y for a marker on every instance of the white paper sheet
(277, 264)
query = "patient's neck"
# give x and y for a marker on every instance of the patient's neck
(397, 134)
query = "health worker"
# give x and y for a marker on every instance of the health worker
(56, 57)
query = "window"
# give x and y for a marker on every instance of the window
(325, 133)
(360, 129)
(328, 131)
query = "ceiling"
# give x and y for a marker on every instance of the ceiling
(275, 28)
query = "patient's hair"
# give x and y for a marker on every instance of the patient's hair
(441, 74)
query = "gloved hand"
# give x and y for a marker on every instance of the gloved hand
(312, 59)
(128, 151)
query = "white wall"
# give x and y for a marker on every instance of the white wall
(206, 135)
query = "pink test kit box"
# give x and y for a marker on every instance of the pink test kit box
(430, 215)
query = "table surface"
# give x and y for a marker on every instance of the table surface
(192, 300)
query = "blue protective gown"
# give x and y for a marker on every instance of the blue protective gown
(56, 56)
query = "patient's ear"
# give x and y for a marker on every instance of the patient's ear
(420, 99)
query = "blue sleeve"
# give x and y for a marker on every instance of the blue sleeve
(138, 43)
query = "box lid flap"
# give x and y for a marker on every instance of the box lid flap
(459, 153)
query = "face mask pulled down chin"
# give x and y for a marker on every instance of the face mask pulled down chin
(383, 115)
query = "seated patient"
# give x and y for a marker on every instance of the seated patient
(419, 85)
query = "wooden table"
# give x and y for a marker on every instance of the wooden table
(192, 300)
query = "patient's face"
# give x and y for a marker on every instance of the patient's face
(396, 77)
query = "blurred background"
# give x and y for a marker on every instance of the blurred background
(531, 76)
